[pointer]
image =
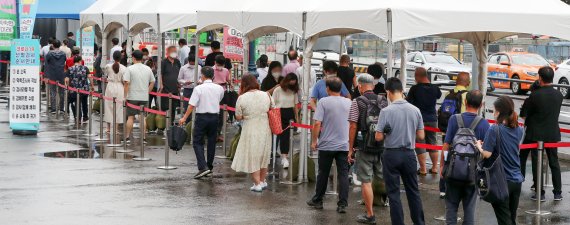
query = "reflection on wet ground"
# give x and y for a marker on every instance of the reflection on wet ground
(88, 154)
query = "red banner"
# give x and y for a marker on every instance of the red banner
(233, 44)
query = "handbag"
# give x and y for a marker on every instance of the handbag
(491, 179)
(274, 115)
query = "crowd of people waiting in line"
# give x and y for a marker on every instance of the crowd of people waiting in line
(366, 122)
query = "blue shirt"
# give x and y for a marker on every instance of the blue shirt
(320, 90)
(452, 127)
(510, 141)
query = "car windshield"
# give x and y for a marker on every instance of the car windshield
(331, 43)
(529, 60)
(441, 58)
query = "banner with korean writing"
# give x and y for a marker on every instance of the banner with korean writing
(25, 85)
(87, 46)
(27, 12)
(7, 23)
(233, 44)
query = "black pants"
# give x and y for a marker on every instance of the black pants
(72, 102)
(552, 155)
(164, 102)
(53, 96)
(287, 114)
(187, 93)
(506, 212)
(325, 163)
(402, 163)
(205, 127)
(455, 195)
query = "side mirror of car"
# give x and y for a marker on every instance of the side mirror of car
(505, 63)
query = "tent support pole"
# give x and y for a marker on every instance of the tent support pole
(482, 57)
(104, 47)
(403, 64)
(308, 53)
(159, 59)
(389, 59)
(129, 42)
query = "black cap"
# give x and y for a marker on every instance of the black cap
(138, 55)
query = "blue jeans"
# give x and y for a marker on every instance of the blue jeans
(205, 126)
(402, 163)
(456, 194)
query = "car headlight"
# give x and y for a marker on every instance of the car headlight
(531, 73)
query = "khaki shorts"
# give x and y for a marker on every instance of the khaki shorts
(134, 112)
(369, 166)
(430, 138)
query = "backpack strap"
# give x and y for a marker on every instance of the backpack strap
(460, 122)
(475, 122)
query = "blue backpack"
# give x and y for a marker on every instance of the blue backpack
(450, 106)
(461, 164)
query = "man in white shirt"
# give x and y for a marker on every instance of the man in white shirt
(116, 47)
(312, 78)
(45, 50)
(183, 50)
(139, 81)
(65, 49)
(205, 98)
(187, 79)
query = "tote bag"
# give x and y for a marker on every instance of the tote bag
(491, 178)
(274, 115)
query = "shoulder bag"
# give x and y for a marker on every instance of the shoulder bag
(491, 178)
(274, 115)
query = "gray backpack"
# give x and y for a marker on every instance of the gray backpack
(461, 164)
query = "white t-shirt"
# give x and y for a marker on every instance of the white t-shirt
(44, 51)
(284, 99)
(262, 73)
(139, 77)
(113, 50)
(206, 97)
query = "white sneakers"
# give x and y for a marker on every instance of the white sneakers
(355, 180)
(285, 163)
(256, 188)
(263, 185)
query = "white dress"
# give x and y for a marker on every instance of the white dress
(115, 89)
(254, 147)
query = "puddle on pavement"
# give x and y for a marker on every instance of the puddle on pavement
(87, 154)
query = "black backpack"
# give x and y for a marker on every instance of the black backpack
(461, 164)
(450, 106)
(367, 126)
(176, 137)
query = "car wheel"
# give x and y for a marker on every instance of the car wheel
(516, 87)
(564, 91)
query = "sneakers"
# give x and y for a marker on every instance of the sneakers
(532, 188)
(441, 195)
(202, 173)
(542, 198)
(355, 180)
(315, 205)
(285, 163)
(558, 197)
(256, 188)
(363, 218)
(264, 185)
(341, 209)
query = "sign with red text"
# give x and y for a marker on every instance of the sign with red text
(233, 44)
(25, 85)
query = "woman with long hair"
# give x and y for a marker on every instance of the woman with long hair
(254, 147)
(505, 137)
(273, 77)
(262, 67)
(286, 98)
(114, 89)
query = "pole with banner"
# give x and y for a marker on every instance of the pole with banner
(87, 42)
(233, 44)
(25, 86)
(27, 10)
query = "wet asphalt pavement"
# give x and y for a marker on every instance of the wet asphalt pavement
(42, 181)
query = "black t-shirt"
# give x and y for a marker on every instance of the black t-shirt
(269, 82)
(346, 74)
(170, 72)
(425, 96)
(379, 89)
(211, 60)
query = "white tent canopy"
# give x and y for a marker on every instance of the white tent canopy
(172, 14)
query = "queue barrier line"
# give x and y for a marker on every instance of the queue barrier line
(5, 61)
(132, 106)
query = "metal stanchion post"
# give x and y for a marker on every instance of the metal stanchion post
(224, 132)
(66, 103)
(334, 181)
(142, 116)
(291, 153)
(167, 149)
(547, 174)
(538, 211)
(124, 141)
(274, 155)
(90, 113)
(48, 97)
(114, 126)
(168, 111)
(77, 111)
(57, 101)
(193, 123)
(102, 113)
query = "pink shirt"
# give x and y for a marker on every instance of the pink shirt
(221, 76)
(291, 67)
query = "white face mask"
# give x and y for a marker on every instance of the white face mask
(173, 55)
(276, 74)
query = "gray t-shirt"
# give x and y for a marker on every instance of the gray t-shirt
(139, 77)
(404, 119)
(333, 112)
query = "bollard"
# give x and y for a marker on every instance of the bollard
(124, 141)
(166, 148)
(224, 132)
(114, 126)
(291, 164)
(273, 152)
(142, 117)
(102, 136)
(538, 211)
(57, 101)
(90, 113)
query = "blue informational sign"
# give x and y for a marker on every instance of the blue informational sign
(87, 43)
(25, 85)
(27, 12)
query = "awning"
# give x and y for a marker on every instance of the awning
(62, 9)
